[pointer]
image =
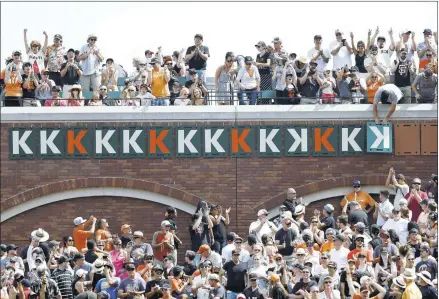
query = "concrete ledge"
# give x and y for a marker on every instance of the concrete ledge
(214, 113)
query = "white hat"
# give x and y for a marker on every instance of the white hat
(300, 251)
(426, 276)
(98, 266)
(399, 281)
(409, 274)
(287, 214)
(138, 234)
(262, 212)
(329, 208)
(79, 220)
(81, 273)
(40, 234)
(403, 201)
(303, 59)
(76, 86)
(214, 277)
(165, 223)
(300, 209)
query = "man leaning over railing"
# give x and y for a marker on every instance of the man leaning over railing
(386, 94)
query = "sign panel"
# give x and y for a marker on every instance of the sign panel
(188, 142)
(379, 138)
(215, 142)
(22, 143)
(297, 140)
(325, 140)
(51, 143)
(242, 141)
(106, 142)
(269, 141)
(132, 142)
(351, 140)
(78, 142)
(160, 143)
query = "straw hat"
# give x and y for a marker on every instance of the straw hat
(76, 86)
(40, 234)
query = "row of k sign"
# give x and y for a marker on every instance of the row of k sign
(195, 141)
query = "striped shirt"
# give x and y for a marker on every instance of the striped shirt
(64, 279)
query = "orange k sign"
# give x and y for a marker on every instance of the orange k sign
(238, 140)
(75, 142)
(157, 141)
(320, 139)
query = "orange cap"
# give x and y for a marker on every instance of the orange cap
(124, 227)
(203, 248)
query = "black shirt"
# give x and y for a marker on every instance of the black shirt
(250, 294)
(235, 276)
(91, 256)
(356, 216)
(416, 248)
(71, 77)
(197, 62)
(306, 286)
(152, 283)
(276, 293)
(428, 292)
(402, 74)
(343, 280)
(429, 266)
(125, 241)
(189, 268)
(285, 238)
(199, 236)
(96, 278)
(263, 59)
(29, 93)
(329, 222)
(219, 231)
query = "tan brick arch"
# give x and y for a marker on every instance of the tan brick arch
(322, 185)
(97, 182)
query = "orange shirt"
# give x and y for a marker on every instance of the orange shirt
(424, 62)
(372, 89)
(176, 283)
(147, 274)
(303, 245)
(80, 236)
(159, 86)
(327, 246)
(363, 199)
(162, 251)
(13, 89)
(103, 235)
(353, 254)
(3, 73)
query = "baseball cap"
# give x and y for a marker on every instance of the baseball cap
(77, 220)
(198, 35)
(3, 247)
(78, 256)
(71, 50)
(203, 248)
(11, 247)
(356, 183)
(318, 36)
(192, 72)
(148, 52)
(125, 226)
(57, 36)
(406, 31)
(260, 44)
(63, 259)
(253, 276)
(381, 38)
(248, 59)
(276, 40)
(262, 211)
(428, 31)
(329, 208)
(214, 277)
(165, 223)
(109, 59)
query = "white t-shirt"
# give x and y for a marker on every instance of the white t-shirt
(248, 81)
(342, 58)
(340, 257)
(335, 295)
(182, 102)
(384, 56)
(401, 191)
(226, 253)
(37, 59)
(386, 208)
(202, 293)
(265, 230)
(400, 227)
(244, 255)
(321, 64)
(145, 99)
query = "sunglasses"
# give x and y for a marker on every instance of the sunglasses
(131, 90)
(103, 89)
(238, 243)
(236, 254)
(247, 63)
(324, 258)
(357, 186)
(300, 254)
(428, 55)
(416, 183)
(93, 39)
(253, 279)
(170, 63)
(38, 262)
(164, 289)
(361, 257)
(100, 245)
(278, 260)
(70, 240)
(117, 244)
(131, 269)
(411, 260)
(203, 267)
(158, 272)
(360, 240)
(328, 282)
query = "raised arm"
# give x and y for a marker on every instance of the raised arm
(26, 44)
(353, 44)
(392, 41)
(369, 33)
(46, 42)
(377, 31)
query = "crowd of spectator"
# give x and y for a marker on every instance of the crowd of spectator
(359, 70)
(384, 249)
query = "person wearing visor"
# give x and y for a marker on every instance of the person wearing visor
(35, 52)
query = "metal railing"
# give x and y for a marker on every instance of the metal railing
(214, 98)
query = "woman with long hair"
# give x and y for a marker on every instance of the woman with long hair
(80, 285)
(360, 52)
(224, 79)
(385, 265)
(196, 97)
(67, 241)
(103, 233)
(95, 100)
(118, 256)
(75, 97)
(373, 82)
(263, 63)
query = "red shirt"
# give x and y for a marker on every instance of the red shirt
(413, 204)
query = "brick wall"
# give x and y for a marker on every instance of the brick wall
(245, 184)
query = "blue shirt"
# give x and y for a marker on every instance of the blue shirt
(103, 285)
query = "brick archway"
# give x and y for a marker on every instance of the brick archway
(322, 185)
(96, 182)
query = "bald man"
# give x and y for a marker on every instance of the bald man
(291, 202)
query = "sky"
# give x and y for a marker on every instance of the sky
(126, 30)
